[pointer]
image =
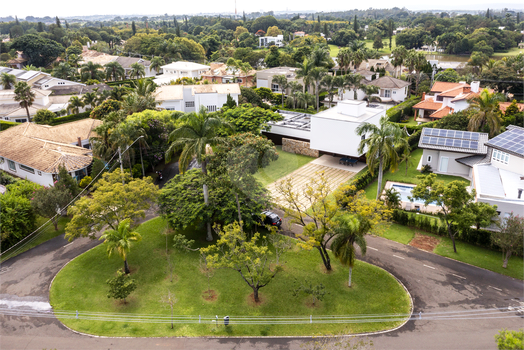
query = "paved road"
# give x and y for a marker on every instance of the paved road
(435, 283)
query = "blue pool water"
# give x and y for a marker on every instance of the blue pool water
(405, 191)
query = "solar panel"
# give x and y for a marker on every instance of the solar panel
(465, 144)
(443, 133)
(441, 141)
(474, 145)
(459, 134)
(425, 139)
(457, 143)
(433, 140)
(466, 135)
(474, 136)
(451, 133)
(449, 142)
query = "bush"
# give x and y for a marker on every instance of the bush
(426, 169)
(104, 109)
(86, 180)
(4, 125)
(69, 118)
(44, 116)
(404, 109)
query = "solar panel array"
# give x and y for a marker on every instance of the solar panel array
(450, 138)
(511, 140)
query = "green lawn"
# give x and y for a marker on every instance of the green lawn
(468, 253)
(81, 286)
(285, 164)
(514, 51)
(411, 177)
(369, 44)
(45, 235)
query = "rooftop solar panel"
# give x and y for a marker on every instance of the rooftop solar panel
(433, 141)
(449, 142)
(425, 139)
(474, 136)
(441, 141)
(459, 134)
(474, 145)
(457, 143)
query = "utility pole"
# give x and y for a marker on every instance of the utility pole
(121, 166)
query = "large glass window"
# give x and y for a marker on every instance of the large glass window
(11, 165)
(26, 168)
(500, 156)
(387, 93)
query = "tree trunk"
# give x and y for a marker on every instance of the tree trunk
(255, 295)
(238, 209)
(171, 316)
(126, 267)
(209, 237)
(350, 272)
(325, 258)
(28, 115)
(506, 258)
(55, 222)
(452, 238)
(379, 189)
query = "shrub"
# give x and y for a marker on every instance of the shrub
(85, 181)
(4, 125)
(105, 108)
(404, 109)
(70, 118)
(426, 169)
(44, 116)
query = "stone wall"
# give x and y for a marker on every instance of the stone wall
(298, 147)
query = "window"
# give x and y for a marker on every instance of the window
(500, 156)
(394, 92)
(440, 98)
(46, 85)
(11, 165)
(40, 173)
(26, 168)
(20, 120)
(239, 80)
(274, 87)
(387, 93)
(190, 104)
(429, 159)
(61, 83)
(211, 108)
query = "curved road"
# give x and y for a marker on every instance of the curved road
(435, 283)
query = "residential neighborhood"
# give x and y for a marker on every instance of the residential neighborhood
(319, 177)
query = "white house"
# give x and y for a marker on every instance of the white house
(127, 62)
(189, 98)
(180, 69)
(265, 77)
(265, 41)
(445, 99)
(330, 131)
(390, 89)
(37, 79)
(31, 151)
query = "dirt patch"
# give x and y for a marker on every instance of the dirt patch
(312, 303)
(251, 300)
(210, 295)
(326, 271)
(423, 242)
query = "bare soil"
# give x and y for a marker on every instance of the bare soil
(251, 300)
(210, 295)
(424, 242)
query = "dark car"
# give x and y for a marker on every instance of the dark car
(271, 218)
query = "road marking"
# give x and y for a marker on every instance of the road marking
(373, 248)
(68, 244)
(396, 256)
(431, 267)
(459, 276)
(500, 290)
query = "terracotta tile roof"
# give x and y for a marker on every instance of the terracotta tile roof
(504, 105)
(454, 92)
(440, 86)
(441, 112)
(386, 82)
(220, 70)
(63, 133)
(428, 104)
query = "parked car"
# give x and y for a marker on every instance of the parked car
(271, 218)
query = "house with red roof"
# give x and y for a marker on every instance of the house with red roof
(443, 99)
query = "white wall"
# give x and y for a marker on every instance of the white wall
(262, 83)
(39, 177)
(515, 164)
(172, 105)
(349, 95)
(290, 132)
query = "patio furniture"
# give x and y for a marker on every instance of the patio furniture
(351, 162)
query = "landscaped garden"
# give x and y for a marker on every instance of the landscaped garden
(285, 164)
(81, 286)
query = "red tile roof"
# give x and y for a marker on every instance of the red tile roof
(441, 112)
(504, 105)
(440, 86)
(428, 104)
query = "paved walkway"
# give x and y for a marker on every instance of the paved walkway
(303, 176)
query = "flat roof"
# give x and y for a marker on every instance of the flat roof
(295, 120)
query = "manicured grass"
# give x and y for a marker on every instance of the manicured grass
(514, 51)
(81, 286)
(411, 177)
(334, 49)
(285, 164)
(468, 253)
(46, 234)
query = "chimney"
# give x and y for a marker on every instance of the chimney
(423, 96)
(79, 142)
(475, 86)
(520, 193)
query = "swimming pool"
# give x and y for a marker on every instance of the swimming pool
(405, 191)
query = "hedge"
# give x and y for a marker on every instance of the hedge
(127, 81)
(70, 118)
(405, 108)
(6, 125)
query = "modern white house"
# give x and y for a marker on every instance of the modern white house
(189, 98)
(331, 131)
(445, 98)
(10, 109)
(37, 79)
(35, 152)
(265, 77)
(126, 63)
(265, 41)
(390, 89)
(495, 167)
(180, 69)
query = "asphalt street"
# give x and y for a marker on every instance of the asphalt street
(436, 284)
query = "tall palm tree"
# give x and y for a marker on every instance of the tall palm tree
(245, 68)
(137, 70)
(198, 130)
(380, 142)
(90, 99)
(303, 72)
(120, 240)
(282, 82)
(91, 70)
(135, 103)
(348, 232)
(315, 76)
(399, 54)
(7, 80)
(156, 63)
(118, 93)
(24, 96)
(330, 84)
(370, 90)
(344, 59)
(63, 71)
(144, 87)
(353, 81)
(74, 59)
(320, 57)
(294, 87)
(115, 71)
(486, 112)
(75, 103)
(359, 53)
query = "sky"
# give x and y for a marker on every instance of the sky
(63, 8)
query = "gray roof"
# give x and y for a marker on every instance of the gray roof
(476, 140)
(489, 182)
(126, 62)
(386, 82)
(510, 141)
(473, 160)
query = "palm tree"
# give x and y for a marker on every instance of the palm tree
(75, 103)
(380, 146)
(245, 68)
(359, 53)
(315, 76)
(137, 70)
(197, 132)
(344, 59)
(156, 63)
(486, 112)
(320, 57)
(7, 80)
(115, 71)
(399, 54)
(353, 81)
(330, 84)
(348, 232)
(63, 71)
(120, 240)
(74, 59)
(135, 103)
(118, 93)
(281, 80)
(405, 158)
(90, 70)
(24, 96)
(30, 67)
(370, 90)
(294, 87)
(144, 87)
(303, 72)
(491, 63)
(90, 99)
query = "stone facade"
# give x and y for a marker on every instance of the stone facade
(298, 147)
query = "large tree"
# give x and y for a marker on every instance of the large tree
(91, 70)
(486, 113)
(246, 118)
(24, 96)
(50, 201)
(115, 71)
(193, 137)
(315, 76)
(39, 50)
(117, 197)
(63, 71)
(510, 236)
(380, 144)
(120, 240)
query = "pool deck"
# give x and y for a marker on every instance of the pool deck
(430, 209)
